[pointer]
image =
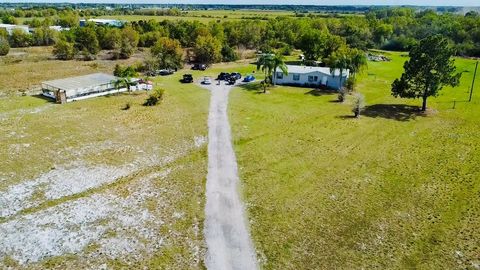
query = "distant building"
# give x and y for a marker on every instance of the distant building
(10, 27)
(58, 28)
(104, 22)
(311, 77)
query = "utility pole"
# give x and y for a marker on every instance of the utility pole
(473, 82)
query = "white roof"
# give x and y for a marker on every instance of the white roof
(4, 25)
(86, 81)
(104, 20)
(305, 70)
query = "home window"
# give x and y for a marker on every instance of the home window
(312, 78)
(296, 77)
(280, 75)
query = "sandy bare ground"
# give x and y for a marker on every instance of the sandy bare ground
(229, 245)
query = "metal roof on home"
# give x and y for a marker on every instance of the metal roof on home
(82, 82)
(294, 69)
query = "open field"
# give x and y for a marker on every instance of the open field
(23, 69)
(125, 188)
(392, 190)
(200, 15)
(105, 186)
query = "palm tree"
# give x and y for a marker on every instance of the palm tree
(339, 60)
(122, 82)
(279, 62)
(265, 63)
(358, 61)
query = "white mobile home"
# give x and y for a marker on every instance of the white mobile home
(311, 77)
(10, 27)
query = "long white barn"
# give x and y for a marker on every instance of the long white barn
(311, 77)
(87, 86)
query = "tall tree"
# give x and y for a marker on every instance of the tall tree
(339, 61)
(207, 49)
(429, 69)
(357, 61)
(278, 61)
(312, 44)
(265, 63)
(168, 53)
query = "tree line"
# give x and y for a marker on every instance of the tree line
(389, 28)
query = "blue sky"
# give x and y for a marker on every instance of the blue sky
(306, 2)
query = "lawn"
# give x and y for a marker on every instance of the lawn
(392, 190)
(127, 185)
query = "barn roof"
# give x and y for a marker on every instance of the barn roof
(81, 82)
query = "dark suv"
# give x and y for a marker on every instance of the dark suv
(236, 75)
(223, 76)
(187, 78)
(199, 67)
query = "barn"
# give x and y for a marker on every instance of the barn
(81, 87)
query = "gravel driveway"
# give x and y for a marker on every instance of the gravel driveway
(226, 231)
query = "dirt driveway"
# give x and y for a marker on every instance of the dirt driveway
(229, 245)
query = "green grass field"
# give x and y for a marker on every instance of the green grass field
(206, 16)
(162, 146)
(394, 189)
(391, 190)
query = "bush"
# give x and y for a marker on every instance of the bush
(64, 50)
(286, 50)
(20, 38)
(350, 83)
(155, 97)
(4, 46)
(124, 72)
(358, 104)
(229, 54)
(342, 94)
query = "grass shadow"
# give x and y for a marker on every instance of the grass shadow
(40, 96)
(252, 87)
(321, 92)
(399, 112)
(346, 117)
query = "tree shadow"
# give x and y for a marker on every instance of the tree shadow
(321, 92)
(399, 112)
(252, 87)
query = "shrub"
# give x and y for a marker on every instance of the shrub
(4, 46)
(350, 83)
(155, 97)
(64, 50)
(342, 94)
(358, 104)
(229, 54)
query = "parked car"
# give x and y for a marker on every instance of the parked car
(236, 75)
(207, 80)
(199, 67)
(151, 73)
(249, 78)
(187, 78)
(164, 72)
(223, 76)
(231, 80)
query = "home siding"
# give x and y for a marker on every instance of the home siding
(331, 82)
